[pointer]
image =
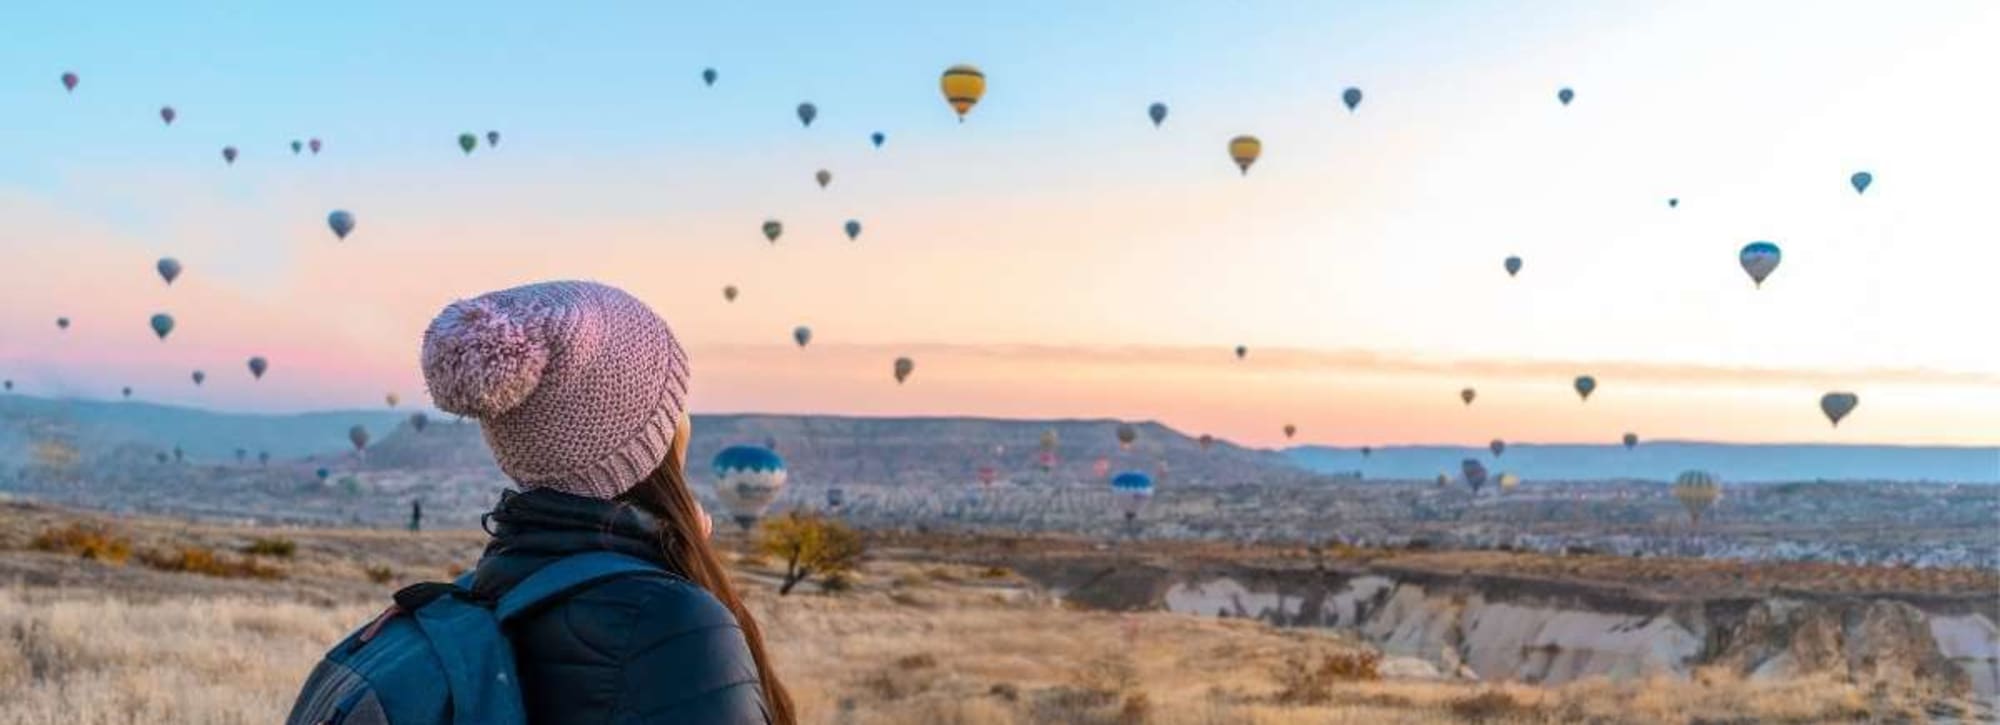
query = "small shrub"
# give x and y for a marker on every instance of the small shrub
(87, 542)
(197, 560)
(941, 575)
(996, 572)
(380, 574)
(917, 661)
(1005, 691)
(277, 546)
(1489, 706)
(836, 583)
(909, 599)
(1136, 709)
(1304, 681)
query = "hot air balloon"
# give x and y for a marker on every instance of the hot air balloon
(1497, 447)
(167, 115)
(1157, 112)
(808, 112)
(466, 142)
(297, 146)
(163, 324)
(1100, 468)
(1631, 440)
(1049, 440)
(1132, 490)
(1241, 351)
(1475, 473)
(1367, 451)
(708, 77)
(1584, 385)
(160, 457)
(1697, 491)
(824, 177)
(62, 323)
(358, 436)
(1513, 265)
(853, 229)
(1508, 481)
(773, 229)
(1290, 430)
(1126, 435)
(322, 474)
(419, 421)
(229, 154)
(904, 366)
(314, 146)
(1837, 405)
(125, 392)
(1861, 180)
(169, 269)
(492, 139)
(69, 82)
(1467, 395)
(835, 497)
(241, 455)
(877, 138)
(748, 479)
(392, 399)
(257, 367)
(1443, 480)
(263, 458)
(729, 293)
(1351, 97)
(199, 377)
(1759, 259)
(1674, 203)
(987, 475)
(341, 221)
(1245, 150)
(1565, 95)
(179, 455)
(1206, 441)
(802, 335)
(962, 85)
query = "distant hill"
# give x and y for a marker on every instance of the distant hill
(1663, 460)
(202, 435)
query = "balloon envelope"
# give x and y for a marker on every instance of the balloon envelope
(904, 366)
(1759, 259)
(229, 154)
(69, 81)
(358, 436)
(1475, 473)
(1241, 351)
(853, 229)
(1837, 405)
(314, 145)
(963, 85)
(773, 229)
(419, 421)
(297, 146)
(1513, 265)
(807, 112)
(708, 76)
(492, 138)
(62, 323)
(1291, 430)
(877, 138)
(1127, 434)
(729, 293)
(1697, 491)
(167, 115)
(163, 324)
(748, 479)
(1584, 385)
(467, 142)
(1244, 150)
(1131, 490)
(1157, 112)
(341, 222)
(1497, 447)
(802, 335)
(199, 377)
(169, 268)
(1631, 440)
(1351, 97)
(1467, 395)
(257, 367)
(1565, 95)
(1861, 180)
(824, 177)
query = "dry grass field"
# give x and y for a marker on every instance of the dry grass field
(915, 641)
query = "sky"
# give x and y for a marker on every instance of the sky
(1054, 255)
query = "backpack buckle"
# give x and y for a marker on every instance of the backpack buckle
(416, 596)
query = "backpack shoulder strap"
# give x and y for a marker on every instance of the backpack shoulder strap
(567, 576)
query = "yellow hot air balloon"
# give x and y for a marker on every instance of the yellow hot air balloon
(392, 399)
(962, 84)
(1245, 149)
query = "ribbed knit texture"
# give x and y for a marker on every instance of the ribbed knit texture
(577, 385)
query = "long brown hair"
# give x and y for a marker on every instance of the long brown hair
(666, 495)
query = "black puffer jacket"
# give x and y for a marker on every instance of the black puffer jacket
(636, 649)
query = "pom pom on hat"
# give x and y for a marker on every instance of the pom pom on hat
(485, 356)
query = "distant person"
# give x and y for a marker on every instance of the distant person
(416, 514)
(581, 391)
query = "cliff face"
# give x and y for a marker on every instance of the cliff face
(1509, 630)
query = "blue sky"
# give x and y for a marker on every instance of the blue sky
(1055, 216)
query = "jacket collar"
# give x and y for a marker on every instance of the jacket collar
(533, 528)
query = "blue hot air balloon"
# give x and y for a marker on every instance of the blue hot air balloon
(322, 474)
(169, 269)
(1157, 112)
(802, 335)
(877, 138)
(1475, 473)
(1861, 180)
(808, 112)
(1759, 259)
(1513, 265)
(853, 228)
(257, 367)
(747, 480)
(341, 221)
(1132, 490)
(708, 76)
(1585, 384)
(1674, 203)
(163, 323)
(1565, 95)
(199, 377)
(1351, 97)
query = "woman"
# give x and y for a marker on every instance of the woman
(581, 393)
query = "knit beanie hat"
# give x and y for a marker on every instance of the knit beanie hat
(577, 385)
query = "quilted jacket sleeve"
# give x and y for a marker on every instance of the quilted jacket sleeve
(683, 659)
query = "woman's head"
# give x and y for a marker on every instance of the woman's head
(578, 386)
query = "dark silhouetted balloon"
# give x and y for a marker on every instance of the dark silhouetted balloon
(163, 324)
(1242, 351)
(314, 145)
(708, 76)
(729, 293)
(1674, 203)
(169, 269)
(1565, 95)
(1759, 259)
(199, 377)
(807, 112)
(125, 392)
(1837, 405)
(492, 138)
(1475, 473)
(419, 421)
(1467, 395)
(229, 154)
(341, 222)
(824, 177)
(1584, 385)
(1631, 440)
(69, 81)
(1861, 180)
(1351, 97)
(904, 366)
(1157, 112)
(62, 323)
(1497, 447)
(1513, 265)
(297, 146)
(773, 229)
(167, 115)
(358, 436)
(853, 229)
(802, 335)
(467, 142)
(257, 367)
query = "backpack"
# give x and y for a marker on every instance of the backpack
(438, 655)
